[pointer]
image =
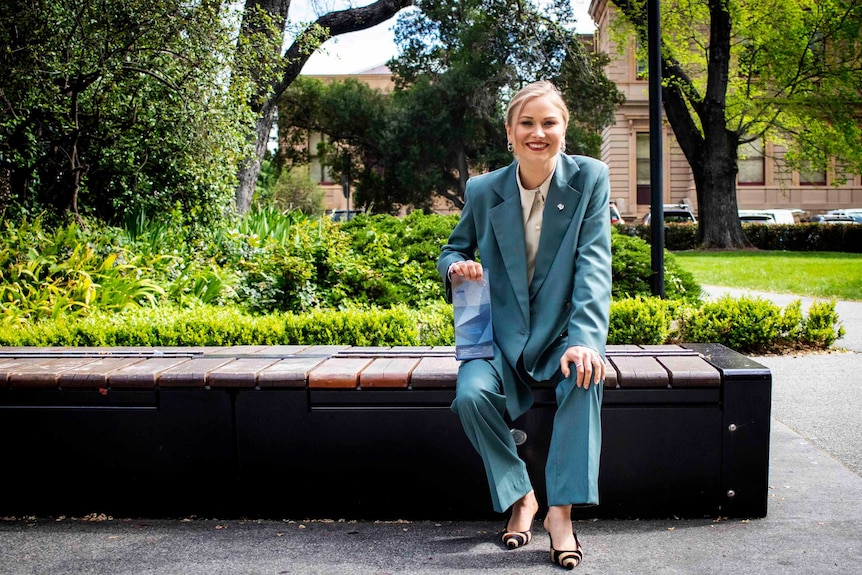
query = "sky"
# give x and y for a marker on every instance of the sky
(349, 53)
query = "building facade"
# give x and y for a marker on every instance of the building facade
(378, 78)
(763, 182)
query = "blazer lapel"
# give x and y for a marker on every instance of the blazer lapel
(507, 220)
(560, 208)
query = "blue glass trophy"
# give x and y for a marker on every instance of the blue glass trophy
(474, 334)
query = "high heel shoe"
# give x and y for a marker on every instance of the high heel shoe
(567, 559)
(515, 539)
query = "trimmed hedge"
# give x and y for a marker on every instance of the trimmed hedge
(225, 326)
(790, 237)
(747, 325)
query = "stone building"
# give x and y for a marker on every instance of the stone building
(763, 180)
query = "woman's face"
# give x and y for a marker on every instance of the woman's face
(538, 131)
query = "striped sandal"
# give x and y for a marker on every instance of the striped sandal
(567, 559)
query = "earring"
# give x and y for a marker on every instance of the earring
(510, 147)
(563, 146)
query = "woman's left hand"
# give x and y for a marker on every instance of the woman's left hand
(587, 362)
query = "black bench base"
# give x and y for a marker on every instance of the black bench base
(379, 454)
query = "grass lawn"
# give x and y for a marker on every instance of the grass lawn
(815, 274)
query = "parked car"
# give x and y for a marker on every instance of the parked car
(755, 217)
(675, 214)
(343, 215)
(785, 215)
(832, 219)
(771, 216)
(616, 218)
(855, 213)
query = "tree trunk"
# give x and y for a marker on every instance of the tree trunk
(719, 227)
(339, 22)
(711, 154)
(715, 179)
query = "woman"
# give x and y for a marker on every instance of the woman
(542, 231)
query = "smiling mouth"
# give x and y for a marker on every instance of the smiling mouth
(537, 145)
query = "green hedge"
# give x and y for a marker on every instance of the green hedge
(225, 326)
(796, 237)
(748, 325)
(276, 278)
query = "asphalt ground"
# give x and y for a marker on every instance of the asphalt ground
(813, 524)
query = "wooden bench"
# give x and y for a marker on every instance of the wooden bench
(350, 432)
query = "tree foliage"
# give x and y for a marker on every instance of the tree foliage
(738, 70)
(306, 41)
(114, 108)
(444, 122)
(459, 61)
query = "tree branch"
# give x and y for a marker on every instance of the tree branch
(337, 23)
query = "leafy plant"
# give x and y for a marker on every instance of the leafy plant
(639, 320)
(632, 269)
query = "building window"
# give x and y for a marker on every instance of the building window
(319, 172)
(643, 168)
(812, 178)
(751, 163)
(641, 61)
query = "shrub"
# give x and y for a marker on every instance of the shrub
(744, 323)
(755, 325)
(404, 251)
(295, 190)
(631, 266)
(677, 237)
(821, 328)
(639, 320)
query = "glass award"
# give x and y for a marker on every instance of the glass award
(474, 334)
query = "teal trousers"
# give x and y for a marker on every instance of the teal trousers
(572, 470)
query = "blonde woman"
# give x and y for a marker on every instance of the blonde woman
(541, 228)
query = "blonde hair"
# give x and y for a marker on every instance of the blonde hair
(535, 90)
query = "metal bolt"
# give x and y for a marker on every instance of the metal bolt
(731, 493)
(732, 427)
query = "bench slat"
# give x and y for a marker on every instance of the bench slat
(690, 371)
(191, 373)
(388, 372)
(338, 372)
(236, 350)
(283, 349)
(637, 371)
(611, 376)
(95, 374)
(322, 350)
(435, 372)
(622, 347)
(289, 372)
(144, 374)
(242, 372)
(43, 372)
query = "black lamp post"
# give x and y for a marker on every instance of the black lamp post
(655, 150)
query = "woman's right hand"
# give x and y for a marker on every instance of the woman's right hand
(467, 269)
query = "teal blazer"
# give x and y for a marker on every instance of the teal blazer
(568, 301)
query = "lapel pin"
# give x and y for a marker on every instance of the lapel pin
(560, 207)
